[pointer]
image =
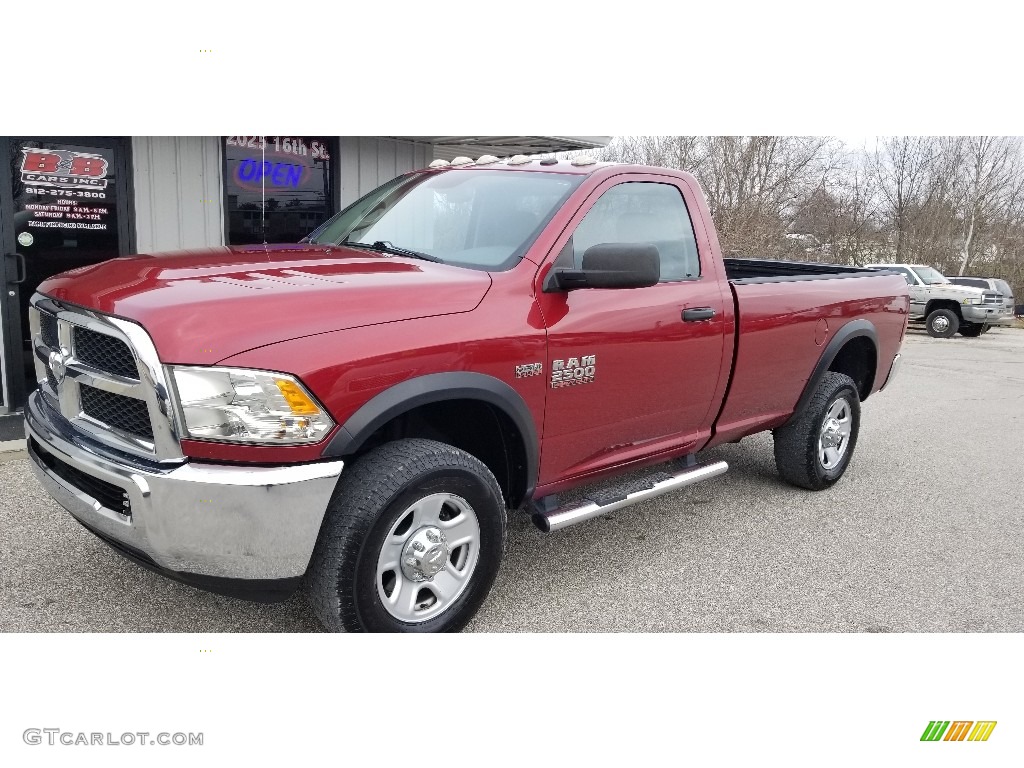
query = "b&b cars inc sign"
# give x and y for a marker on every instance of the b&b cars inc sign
(63, 168)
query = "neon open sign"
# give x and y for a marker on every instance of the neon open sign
(273, 174)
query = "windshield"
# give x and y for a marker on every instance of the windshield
(930, 276)
(974, 282)
(472, 218)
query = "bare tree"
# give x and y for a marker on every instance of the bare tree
(984, 170)
(753, 184)
(842, 214)
(903, 166)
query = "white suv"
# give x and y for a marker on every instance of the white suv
(946, 308)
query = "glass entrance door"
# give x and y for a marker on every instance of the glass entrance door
(63, 205)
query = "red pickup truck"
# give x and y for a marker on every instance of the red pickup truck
(356, 413)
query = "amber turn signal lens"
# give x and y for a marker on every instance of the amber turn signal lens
(297, 400)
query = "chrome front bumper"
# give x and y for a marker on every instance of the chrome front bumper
(188, 519)
(987, 314)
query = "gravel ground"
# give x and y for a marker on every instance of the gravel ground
(923, 534)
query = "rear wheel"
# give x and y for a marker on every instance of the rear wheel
(814, 451)
(942, 323)
(411, 542)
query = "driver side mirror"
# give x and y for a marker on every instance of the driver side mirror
(609, 265)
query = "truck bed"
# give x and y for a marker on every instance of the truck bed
(743, 271)
(786, 312)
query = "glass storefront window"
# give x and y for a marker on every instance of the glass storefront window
(63, 208)
(279, 188)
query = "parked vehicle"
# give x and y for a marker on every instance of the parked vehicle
(946, 308)
(357, 412)
(990, 284)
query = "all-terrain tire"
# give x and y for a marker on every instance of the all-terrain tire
(798, 443)
(942, 324)
(373, 495)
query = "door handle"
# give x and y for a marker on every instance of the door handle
(700, 313)
(21, 272)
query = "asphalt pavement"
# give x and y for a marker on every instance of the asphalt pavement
(923, 534)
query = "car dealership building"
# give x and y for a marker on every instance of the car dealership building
(69, 202)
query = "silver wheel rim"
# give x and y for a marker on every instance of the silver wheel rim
(428, 557)
(834, 438)
(940, 323)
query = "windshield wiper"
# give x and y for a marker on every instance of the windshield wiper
(384, 246)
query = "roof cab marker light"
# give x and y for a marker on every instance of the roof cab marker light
(439, 163)
(461, 160)
(584, 160)
(486, 160)
(519, 160)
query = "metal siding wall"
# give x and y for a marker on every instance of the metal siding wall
(179, 192)
(348, 171)
(366, 162)
(368, 166)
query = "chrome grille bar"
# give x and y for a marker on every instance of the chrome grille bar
(61, 375)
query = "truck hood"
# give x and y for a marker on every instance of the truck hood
(202, 306)
(964, 291)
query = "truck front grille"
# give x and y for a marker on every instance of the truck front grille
(109, 495)
(89, 366)
(48, 331)
(105, 353)
(124, 413)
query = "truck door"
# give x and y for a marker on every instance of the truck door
(918, 291)
(637, 371)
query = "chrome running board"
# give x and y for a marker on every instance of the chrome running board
(617, 497)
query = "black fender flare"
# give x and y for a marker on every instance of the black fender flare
(435, 388)
(851, 330)
(934, 304)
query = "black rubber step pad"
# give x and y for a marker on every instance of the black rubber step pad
(612, 494)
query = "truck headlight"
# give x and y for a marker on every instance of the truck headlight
(242, 405)
(978, 300)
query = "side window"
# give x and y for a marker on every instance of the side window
(906, 275)
(642, 212)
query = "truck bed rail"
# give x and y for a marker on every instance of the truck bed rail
(745, 271)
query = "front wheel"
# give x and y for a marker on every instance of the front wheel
(942, 323)
(411, 541)
(814, 450)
